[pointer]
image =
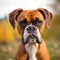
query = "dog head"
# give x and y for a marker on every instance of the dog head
(30, 23)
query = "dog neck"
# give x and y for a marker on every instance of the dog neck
(32, 57)
(31, 51)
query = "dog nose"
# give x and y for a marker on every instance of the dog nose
(31, 29)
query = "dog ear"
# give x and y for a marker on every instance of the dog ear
(13, 16)
(47, 16)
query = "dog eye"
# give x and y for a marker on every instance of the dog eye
(37, 22)
(23, 23)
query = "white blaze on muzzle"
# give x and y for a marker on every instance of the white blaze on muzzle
(35, 34)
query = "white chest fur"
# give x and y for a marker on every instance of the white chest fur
(31, 50)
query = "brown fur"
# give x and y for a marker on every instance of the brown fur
(31, 15)
(42, 53)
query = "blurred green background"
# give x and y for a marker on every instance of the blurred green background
(9, 38)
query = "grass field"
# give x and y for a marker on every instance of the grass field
(7, 51)
(54, 49)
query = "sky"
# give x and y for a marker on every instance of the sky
(6, 6)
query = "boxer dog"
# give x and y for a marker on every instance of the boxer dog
(30, 25)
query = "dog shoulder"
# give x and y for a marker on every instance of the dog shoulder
(21, 53)
(43, 51)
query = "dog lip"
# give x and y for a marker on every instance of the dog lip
(32, 37)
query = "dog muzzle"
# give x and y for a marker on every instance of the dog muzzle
(31, 35)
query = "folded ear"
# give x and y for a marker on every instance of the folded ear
(47, 16)
(13, 16)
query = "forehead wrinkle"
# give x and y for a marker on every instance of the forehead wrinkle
(30, 16)
(38, 15)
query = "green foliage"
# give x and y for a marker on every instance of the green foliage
(54, 49)
(53, 33)
(8, 51)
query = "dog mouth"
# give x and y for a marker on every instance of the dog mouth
(32, 39)
(31, 34)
